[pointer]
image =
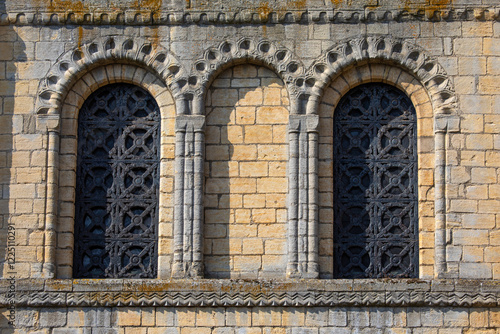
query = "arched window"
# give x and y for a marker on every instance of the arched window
(375, 184)
(116, 225)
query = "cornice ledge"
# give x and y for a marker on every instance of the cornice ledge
(234, 293)
(107, 16)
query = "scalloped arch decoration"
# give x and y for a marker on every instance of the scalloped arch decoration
(73, 64)
(370, 49)
(231, 52)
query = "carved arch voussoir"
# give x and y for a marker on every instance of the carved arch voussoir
(268, 53)
(73, 64)
(386, 50)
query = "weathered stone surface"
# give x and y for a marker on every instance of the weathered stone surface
(245, 208)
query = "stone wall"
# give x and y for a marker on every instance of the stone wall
(250, 89)
(245, 184)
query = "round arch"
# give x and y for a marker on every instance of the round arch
(376, 50)
(245, 50)
(76, 95)
(102, 53)
(430, 147)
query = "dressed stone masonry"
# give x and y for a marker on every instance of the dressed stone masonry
(305, 89)
(247, 92)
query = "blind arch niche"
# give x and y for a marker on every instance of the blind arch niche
(116, 218)
(375, 184)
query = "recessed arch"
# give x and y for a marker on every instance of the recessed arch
(232, 52)
(88, 83)
(429, 179)
(73, 64)
(381, 50)
(247, 114)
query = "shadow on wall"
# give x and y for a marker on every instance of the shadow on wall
(217, 201)
(12, 53)
(246, 184)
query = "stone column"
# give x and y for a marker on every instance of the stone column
(50, 125)
(302, 197)
(188, 196)
(442, 125)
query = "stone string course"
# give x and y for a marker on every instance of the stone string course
(101, 16)
(262, 293)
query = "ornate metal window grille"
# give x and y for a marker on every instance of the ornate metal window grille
(117, 184)
(375, 184)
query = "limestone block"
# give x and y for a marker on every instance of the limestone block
(223, 97)
(210, 317)
(489, 84)
(263, 216)
(245, 115)
(266, 316)
(475, 270)
(243, 152)
(473, 254)
(478, 221)
(492, 254)
(470, 237)
(272, 230)
(478, 104)
(258, 134)
(478, 318)
(253, 169)
(253, 246)
(243, 230)
(52, 318)
(463, 205)
(467, 46)
(477, 192)
(271, 152)
(493, 65)
(250, 96)
(254, 201)
(483, 175)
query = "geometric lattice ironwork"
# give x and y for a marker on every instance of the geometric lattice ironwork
(116, 225)
(375, 168)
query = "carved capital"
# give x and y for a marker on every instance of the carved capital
(312, 123)
(446, 123)
(196, 123)
(48, 123)
(300, 123)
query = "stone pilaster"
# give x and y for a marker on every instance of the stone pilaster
(50, 125)
(442, 125)
(302, 196)
(188, 209)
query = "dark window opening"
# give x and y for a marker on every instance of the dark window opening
(375, 184)
(116, 225)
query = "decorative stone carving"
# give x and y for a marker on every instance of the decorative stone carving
(326, 293)
(76, 62)
(106, 16)
(385, 49)
(231, 52)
